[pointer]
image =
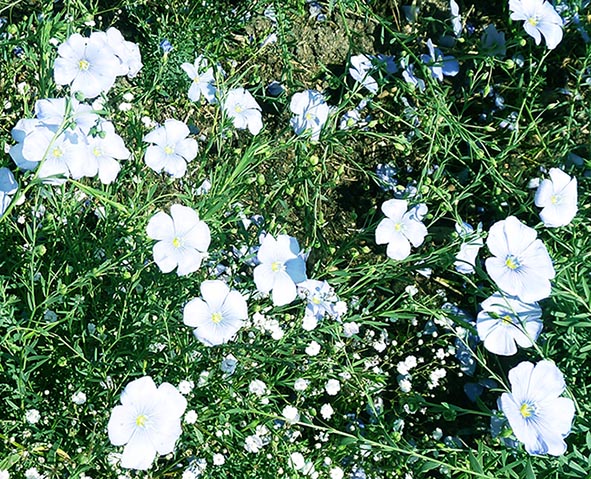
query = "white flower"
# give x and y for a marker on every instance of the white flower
(540, 419)
(243, 109)
(79, 398)
(218, 316)
(400, 228)
(456, 19)
(203, 82)
(257, 387)
(33, 473)
(539, 18)
(505, 321)
(88, 65)
(301, 384)
(361, 65)
(32, 416)
(219, 459)
(253, 443)
(171, 149)
(128, 53)
(191, 417)
(332, 387)
(336, 473)
(310, 113)
(8, 187)
(297, 460)
(291, 414)
(107, 147)
(4, 474)
(182, 240)
(326, 411)
(466, 258)
(350, 329)
(521, 265)
(558, 198)
(185, 387)
(405, 384)
(148, 422)
(282, 267)
(313, 348)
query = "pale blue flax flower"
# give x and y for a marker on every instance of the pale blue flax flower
(203, 80)
(540, 419)
(505, 322)
(439, 64)
(244, 111)
(521, 265)
(310, 113)
(539, 18)
(281, 267)
(558, 198)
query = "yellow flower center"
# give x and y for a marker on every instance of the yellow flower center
(141, 420)
(533, 21)
(83, 65)
(216, 317)
(277, 266)
(512, 262)
(169, 150)
(97, 151)
(316, 300)
(506, 320)
(526, 410)
(310, 117)
(196, 79)
(238, 108)
(398, 227)
(176, 242)
(57, 152)
(554, 199)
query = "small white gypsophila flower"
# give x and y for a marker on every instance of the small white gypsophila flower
(297, 460)
(253, 443)
(187, 474)
(185, 386)
(79, 398)
(332, 387)
(326, 411)
(313, 348)
(403, 367)
(32, 416)
(33, 473)
(301, 384)
(336, 473)
(291, 414)
(350, 329)
(219, 459)
(191, 417)
(4, 474)
(405, 384)
(435, 376)
(257, 387)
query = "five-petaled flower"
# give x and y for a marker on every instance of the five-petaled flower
(401, 228)
(203, 80)
(539, 18)
(88, 65)
(282, 267)
(521, 265)
(183, 239)
(439, 64)
(540, 419)
(310, 113)
(505, 321)
(558, 198)
(171, 149)
(243, 109)
(218, 316)
(148, 422)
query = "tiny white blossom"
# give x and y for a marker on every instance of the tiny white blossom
(79, 398)
(219, 459)
(257, 387)
(32, 416)
(301, 384)
(185, 387)
(332, 387)
(336, 473)
(313, 348)
(291, 414)
(191, 417)
(326, 411)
